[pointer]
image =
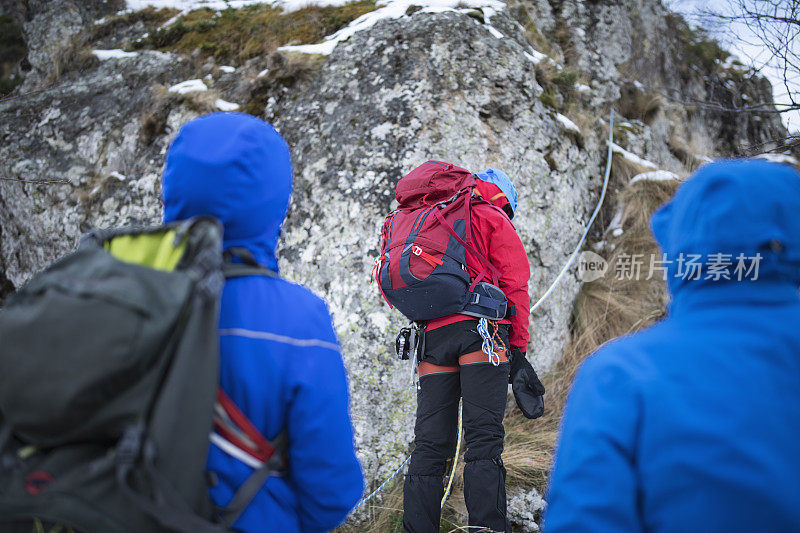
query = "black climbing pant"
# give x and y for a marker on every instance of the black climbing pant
(483, 388)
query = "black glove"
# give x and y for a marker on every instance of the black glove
(528, 390)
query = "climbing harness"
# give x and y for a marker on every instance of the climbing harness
(539, 302)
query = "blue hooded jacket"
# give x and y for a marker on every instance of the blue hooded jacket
(694, 423)
(279, 356)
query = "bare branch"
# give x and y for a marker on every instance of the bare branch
(23, 180)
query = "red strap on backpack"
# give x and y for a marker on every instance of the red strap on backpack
(487, 266)
(236, 428)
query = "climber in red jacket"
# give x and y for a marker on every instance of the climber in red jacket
(454, 364)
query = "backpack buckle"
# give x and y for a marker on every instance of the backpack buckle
(416, 250)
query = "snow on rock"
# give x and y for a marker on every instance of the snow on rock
(262, 73)
(780, 158)
(188, 5)
(188, 86)
(656, 175)
(223, 105)
(567, 123)
(102, 55)
(494, 32)
(393, 9)
(535, 55)
(615, 226)
(633, 158)
(227, 69)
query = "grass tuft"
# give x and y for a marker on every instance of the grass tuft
(236, 35)
(638, 104)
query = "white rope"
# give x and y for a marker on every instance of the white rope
(455, 457)
(591, 220)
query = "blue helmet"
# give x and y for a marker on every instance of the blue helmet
(503, 182)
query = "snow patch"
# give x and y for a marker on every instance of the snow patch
(226, 68)
(102, 55)
(262, 73)
(188, 86)
(567, 123)
(633, 158)
(656, 175)
(393, 9)
(117, 175)
(188, 5)
(615, 226)
(495, 32)
(779, 158)
(534, 56)
(223, 105)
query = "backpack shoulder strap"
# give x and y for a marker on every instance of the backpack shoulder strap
(248, 267)
(234, 426)
(247, 491)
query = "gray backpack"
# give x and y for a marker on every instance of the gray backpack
(108, 381)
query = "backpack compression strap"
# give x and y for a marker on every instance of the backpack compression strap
(487, 266)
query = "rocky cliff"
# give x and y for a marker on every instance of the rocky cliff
(526, 87)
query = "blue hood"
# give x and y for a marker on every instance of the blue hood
(236, 168)
(734, 207)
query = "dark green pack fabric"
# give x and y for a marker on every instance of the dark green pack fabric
(108, 377)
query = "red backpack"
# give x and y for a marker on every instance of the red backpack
(422, 268)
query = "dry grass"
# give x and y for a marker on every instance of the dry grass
(150, 17)
(153, 120)
(532, 33)
(638, 104)
(73, 56)
(624, 169)
(285, 69)
(236, 35)
(385, 513)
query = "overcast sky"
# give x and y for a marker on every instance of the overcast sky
(739, 40)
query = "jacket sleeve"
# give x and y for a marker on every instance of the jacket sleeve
(507, 254)
(593, 484)
(323, 467)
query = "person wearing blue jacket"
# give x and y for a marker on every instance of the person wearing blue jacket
(694, 423)
(279, 356)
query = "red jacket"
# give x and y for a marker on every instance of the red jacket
(497, 239)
